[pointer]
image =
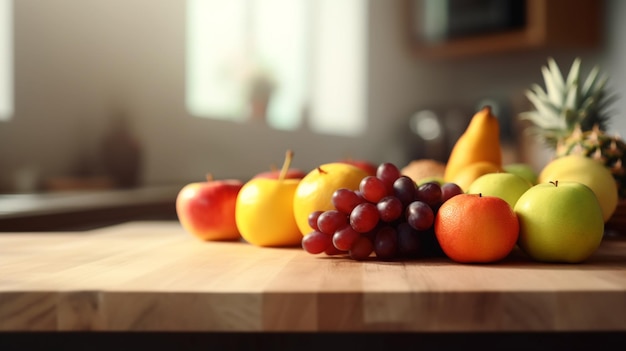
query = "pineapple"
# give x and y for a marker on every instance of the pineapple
(570, 118)
(600, 146)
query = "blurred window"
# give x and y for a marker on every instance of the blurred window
(6, 59)
(291, 63)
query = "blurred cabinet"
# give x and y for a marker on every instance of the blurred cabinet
(463, 28)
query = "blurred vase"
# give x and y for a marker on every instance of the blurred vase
(122, 154)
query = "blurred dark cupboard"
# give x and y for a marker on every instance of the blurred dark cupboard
(464, 28)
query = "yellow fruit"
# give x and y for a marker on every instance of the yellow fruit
(316, 189)
(264, 212)
(468, 174)
(582, 169)
(479, 142)
(264, 209)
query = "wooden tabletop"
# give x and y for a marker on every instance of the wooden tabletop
(153, 276)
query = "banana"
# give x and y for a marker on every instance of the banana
(479, 142)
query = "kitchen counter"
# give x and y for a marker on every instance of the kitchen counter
(86, 209)
(153, 276)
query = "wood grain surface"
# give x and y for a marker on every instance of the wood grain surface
(153, 276)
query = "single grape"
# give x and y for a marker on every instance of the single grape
(313, 216)
(372, 189)
(430, 193)
(333, 251)
(372, 233)
(449, 190)
(388, 173)
(316, 242)
(405, 189)
(409, 244)
(361, 249)
(344, 238)
(420, 215)
(389, 208)
(329, 221)
(364, 217)
(345, 200)
(386, 243)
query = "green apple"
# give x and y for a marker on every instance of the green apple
(582, 169)
(523, 170)
(507, 186)
(559, 222)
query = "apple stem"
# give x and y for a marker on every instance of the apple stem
(555, 182)
(319, 169)
(209, 177)
(286, 164)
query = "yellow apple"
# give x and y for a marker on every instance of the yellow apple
(316, 189)
(264, 210)
(595, 175)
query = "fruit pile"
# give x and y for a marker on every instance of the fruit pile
(472, 209)
(388, 215)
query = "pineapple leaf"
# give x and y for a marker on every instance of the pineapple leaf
(574, 73)
(608, 100)
(601, 83)
(571, 98)
(540, 120)
(546, 111)
(591, 80)
(557, 78)
(571, 117)
(553, 86)
(572, 89)
(538, 90)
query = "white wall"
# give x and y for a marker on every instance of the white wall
(78, 60)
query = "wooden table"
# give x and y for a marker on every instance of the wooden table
(153, 276)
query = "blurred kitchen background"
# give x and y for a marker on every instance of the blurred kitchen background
(145, 94)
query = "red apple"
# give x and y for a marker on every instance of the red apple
(207, 209)
(365, 165)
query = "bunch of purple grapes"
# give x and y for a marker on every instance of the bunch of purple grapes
(389, 216)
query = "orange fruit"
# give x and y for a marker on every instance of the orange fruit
(471, 228)
(316, 189)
